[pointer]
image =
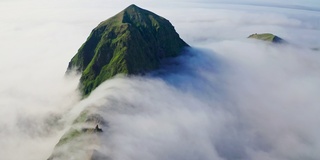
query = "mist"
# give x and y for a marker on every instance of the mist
(227, 98)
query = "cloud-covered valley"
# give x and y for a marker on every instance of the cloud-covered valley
(227, 98)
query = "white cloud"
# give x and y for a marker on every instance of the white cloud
(247, 105)
(234, 98)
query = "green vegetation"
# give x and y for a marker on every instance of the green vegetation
(266, 37)
(87, 117)
(74, 142)
(131, 42)
(82, 117)
(70, 135)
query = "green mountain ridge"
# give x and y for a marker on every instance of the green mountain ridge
(267, 37)
(131, 42)
(79, 141)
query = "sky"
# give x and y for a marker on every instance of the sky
(231, 98)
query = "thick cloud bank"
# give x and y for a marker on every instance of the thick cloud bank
(228, 98)
(217, 107)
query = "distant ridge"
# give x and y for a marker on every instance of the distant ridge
(267, 37)
(131, 42)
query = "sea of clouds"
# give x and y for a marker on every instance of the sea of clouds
(227, 98)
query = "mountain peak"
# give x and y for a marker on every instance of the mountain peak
(131, 42)
(267, 37)
(132, 6)
(133, 9)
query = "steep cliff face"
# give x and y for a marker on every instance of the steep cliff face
(267, 37)
(131, 42)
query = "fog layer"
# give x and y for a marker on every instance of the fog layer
(228, 98)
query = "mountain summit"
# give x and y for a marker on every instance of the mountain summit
(267, 37)
(131, 42)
